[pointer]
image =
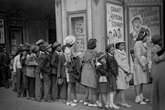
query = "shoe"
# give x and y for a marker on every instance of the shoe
(75, 101)
(138, 99)
(125, 105)
(85, 103)
(68, 103)
(92, 105)
(99, 104)
(73, 104)
(142, 103)
(115, 106)
(81, 101)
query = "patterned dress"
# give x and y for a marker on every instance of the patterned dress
(88, 75)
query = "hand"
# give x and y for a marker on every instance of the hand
(144, 68)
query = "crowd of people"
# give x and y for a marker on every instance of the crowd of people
(50, 72)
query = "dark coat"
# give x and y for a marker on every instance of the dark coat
(61, 66)
(54, 62)
(74, 69)
(45, 63)
(110, 70)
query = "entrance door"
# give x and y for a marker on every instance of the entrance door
(16, 36)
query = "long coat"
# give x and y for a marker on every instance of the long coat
(88, 75)
(140, 77)
(61, 66)
(54, 62)
(158, 84)
(123, 69)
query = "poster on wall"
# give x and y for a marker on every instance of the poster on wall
(115, 22)
(147, 17)
(2, 36)
(77, 27)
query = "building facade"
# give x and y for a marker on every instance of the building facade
(106, 20)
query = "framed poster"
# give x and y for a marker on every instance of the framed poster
(143, 16)
(2, 35)
(115, 22)
(77, 27)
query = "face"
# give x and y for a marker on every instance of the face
(136, 24)
(58, 48)
(122, 46)
(145, 39)
(24, 53)
(111, 51)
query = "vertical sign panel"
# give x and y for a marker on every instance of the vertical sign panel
(115, 22)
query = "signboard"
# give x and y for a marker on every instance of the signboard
(115, 22)
(77, 27)
(148, 17)
(2, 36)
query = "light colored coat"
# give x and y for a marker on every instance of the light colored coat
(17, 63)
(122, 60)
(140, 77)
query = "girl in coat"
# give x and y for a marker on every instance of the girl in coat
(123, 72)
(108, 86)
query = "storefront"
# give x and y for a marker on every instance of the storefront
(106, 20)
(24, 21)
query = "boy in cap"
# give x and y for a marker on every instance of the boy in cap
(56, 50)
(45, 69)
(38, 75)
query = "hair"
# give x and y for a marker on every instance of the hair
(142, 34)
(156, 40)
(136, 18)
(109, 47)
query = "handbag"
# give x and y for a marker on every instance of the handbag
(102, 79)
(129, 77)
(60, 81)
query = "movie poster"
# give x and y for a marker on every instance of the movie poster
(115, 23)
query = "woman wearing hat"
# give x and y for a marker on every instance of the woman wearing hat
(88, 75)
(123, 72)
(108, 86)
(140, 66)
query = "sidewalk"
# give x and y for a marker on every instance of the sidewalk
(9, 101)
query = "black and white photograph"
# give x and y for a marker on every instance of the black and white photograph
(82, 55)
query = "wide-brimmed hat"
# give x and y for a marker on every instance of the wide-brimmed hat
(109, 47)
(91, 43)
(55, 45)
(70, 39)
(119, 41)
(40, 42)
(34, 48)
(45, 46)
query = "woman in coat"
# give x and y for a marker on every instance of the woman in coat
(88, 75)
(158, 64)
(140, 66)
(123, 72)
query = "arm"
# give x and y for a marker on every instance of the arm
(54, 61)
(122, 63)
